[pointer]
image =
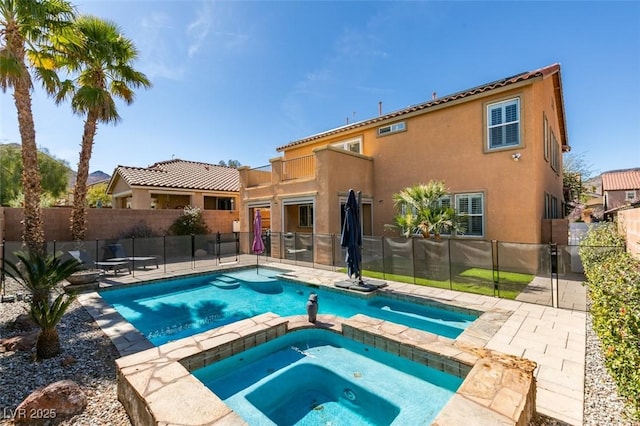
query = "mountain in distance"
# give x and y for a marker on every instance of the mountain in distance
(95, 177)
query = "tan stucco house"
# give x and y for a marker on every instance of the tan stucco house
(175, 184)
(498, 148)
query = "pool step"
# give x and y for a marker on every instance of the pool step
(225, 282)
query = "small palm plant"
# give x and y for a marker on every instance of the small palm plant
(421, 210)
(40, 275)
(47, 316)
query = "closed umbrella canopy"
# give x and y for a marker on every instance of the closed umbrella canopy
(258, 245)
(351, 237)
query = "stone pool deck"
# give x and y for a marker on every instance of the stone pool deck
(553, 338)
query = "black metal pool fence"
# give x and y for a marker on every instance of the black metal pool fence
(496, 268)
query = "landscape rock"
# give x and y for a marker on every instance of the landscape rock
(23, 323)
(20, 342)
(51, 405)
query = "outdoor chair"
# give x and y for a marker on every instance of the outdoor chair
(120, 255)
(87, 262)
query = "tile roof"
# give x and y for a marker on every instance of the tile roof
(541, 72)
(620, 180)
(183, 175)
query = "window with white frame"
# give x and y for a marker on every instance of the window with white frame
(555, 152)
(503, 124)
(630, 196)
(547, 206)
(392, 128)
(546, 137)
(470, 207)
(305, 216)
(352, 145)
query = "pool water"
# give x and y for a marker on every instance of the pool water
(316, 377)
(172, 309)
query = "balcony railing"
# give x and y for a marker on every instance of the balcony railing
(298, 168)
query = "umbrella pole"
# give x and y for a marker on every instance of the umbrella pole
(361, 235)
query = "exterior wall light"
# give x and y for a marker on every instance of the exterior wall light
(516, 156)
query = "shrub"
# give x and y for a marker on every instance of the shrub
(613, 277)
(139, 230)
(191, 222)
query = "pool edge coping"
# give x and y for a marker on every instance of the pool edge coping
(156, 385)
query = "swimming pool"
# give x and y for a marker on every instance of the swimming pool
(172, 309)
(313, 376)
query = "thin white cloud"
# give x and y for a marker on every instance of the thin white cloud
(362, 46)
(158, 49)
(198, 30)
(357, 44)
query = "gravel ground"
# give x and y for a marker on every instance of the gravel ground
(94, 371)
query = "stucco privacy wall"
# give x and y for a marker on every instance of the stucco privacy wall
(109, 223)
(629, 225)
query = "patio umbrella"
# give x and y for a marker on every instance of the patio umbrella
(351, 237)
(258, 245)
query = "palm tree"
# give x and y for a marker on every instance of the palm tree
(24, 26)
(102, 68)
(421, 209)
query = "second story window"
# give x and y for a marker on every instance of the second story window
(353, 145)
(503, 124)
(392, 128)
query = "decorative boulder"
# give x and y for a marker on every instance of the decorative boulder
(20, 342)
(51, 405)
(84, 277)
(200, 253)
(84, 280)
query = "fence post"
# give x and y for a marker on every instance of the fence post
(384, 268)
(333, 251)
(450, 266)
(553, 254)
(193, 251)
(495, 267)
(413, 254)
(133, 253)
(164, 252)
(2, 245)
(218, 247)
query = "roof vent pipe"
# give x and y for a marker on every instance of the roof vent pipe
(379, 107)
(434, 96)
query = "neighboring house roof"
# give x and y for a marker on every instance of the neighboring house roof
(180, 174)
(529, 75)
(620, 180)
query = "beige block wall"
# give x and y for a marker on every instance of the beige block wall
(109, 223)
(629, 225)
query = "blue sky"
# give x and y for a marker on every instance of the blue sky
(235, 80)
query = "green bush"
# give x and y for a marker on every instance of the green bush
(191, 222)
(613, 277)
(139, 230)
